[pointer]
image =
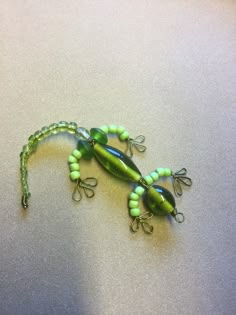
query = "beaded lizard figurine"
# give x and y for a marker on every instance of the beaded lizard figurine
(94, 143)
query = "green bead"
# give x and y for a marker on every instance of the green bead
(74, 175)
(72, 127)
(120, 130)
(167, 172)
(45, 132)
(154, 176)
(32, 139)
(86, 150)
(134, 196)
(99, 135)
(161, 172)
(63, 125)
(72, 159)
(124, 136)
(135, 212)
(74, 167)
(54, 128)
(148, 179)
(116, 162)
(77, 154)
(112, 128)
(133, 204)
(38, 135)
(26, 149)
(104, 128)
(139, 190)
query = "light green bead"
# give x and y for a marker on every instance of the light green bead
(161, 171)
(112, 128)
(167, 172)
(148, 180)
(105, 129)
(77, 154)
(134, 196)
(139, 190)
(38, 135)
(133, 204)
(124, 135)
(26, 149)
(74, 167)
(154, 176)
(46, 131)
(72, 127)
(63, 125)
(32, 139)
(135, 212)
(72, 159)
(74, 175)
(120, 130)
(54, 128)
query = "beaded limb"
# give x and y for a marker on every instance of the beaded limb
(138, 191)
(87, 184)
(134, 197)
(123, 135)
(31, 146)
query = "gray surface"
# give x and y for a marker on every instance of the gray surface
(162, 68)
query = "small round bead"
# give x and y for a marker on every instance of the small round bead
(38, 134)
(77, 154)
(72, 127)
(161, 171)
(32, 139)
(26, 149)
(139, 190)
(134, 196)
(120, 130)
(135, 212)
(72, 159)
(63, 125)
(112, 128)
(124, 136)
(74, 175)
(104, 128)
(133, 204)
(54, 128)
(154, 176)
(74, 167)
(148, 180)
(167, 172)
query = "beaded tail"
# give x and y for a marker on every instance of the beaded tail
(31, 147)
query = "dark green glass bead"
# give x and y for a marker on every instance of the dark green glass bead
(116, 162)
(98, 135)
(159, 200)
(85, 149)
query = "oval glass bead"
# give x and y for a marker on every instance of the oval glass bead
(86, 150)
(116, 162)
(159, 200)
(99, 135)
